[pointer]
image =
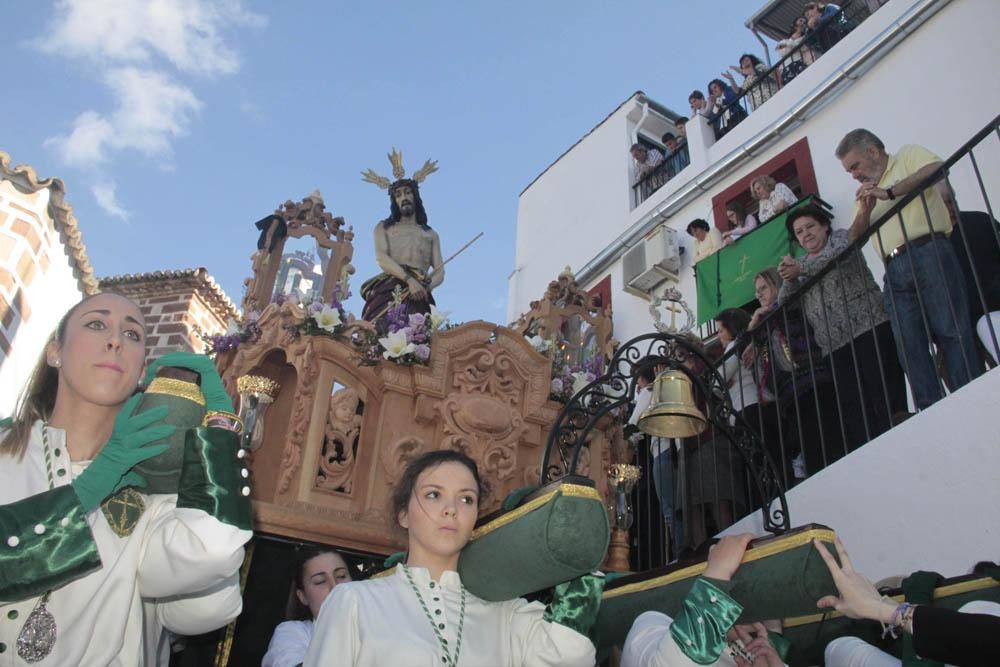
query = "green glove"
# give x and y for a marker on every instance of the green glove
(129, 445)
(216, 396)
(575, 603)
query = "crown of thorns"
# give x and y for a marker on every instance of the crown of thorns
(396, 159)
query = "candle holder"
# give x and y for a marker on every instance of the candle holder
(257, 393)
(621, 480)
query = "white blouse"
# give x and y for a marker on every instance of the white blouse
(288, 644)
(177, 570)
(768, 208)
(381, 622)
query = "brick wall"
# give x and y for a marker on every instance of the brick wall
(180, 307)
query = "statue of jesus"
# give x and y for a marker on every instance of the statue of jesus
(409, 253)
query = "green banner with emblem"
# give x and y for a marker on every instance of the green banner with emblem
(725, 279)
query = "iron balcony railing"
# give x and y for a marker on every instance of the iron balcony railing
(672, 165)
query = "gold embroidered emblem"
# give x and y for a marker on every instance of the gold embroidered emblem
(123, 510)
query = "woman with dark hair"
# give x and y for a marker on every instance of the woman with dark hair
(92, 570)
(791, 368)
(707, 240)
(740, 222)
(845, 310)
(421, 613)
(758, 87)
(802, 58)
(317, 572)
(726, 112)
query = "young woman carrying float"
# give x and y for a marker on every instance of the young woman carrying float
(91, 568)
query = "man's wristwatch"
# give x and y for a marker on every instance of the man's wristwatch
(888, 191)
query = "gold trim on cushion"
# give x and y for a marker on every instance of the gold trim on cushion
(571, 490)
(769, 548)
(179, 388)
(941, 592)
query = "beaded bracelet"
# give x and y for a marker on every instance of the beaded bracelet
(899, 616)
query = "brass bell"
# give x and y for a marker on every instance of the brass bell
(672, 412)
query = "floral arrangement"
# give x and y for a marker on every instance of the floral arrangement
(321, 319)
(408, 336)
(567, 378)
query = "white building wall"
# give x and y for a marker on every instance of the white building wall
(570, 212)
(50, 291)
(920, 497)
(924, 91)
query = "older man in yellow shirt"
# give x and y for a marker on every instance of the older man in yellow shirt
(922, 275)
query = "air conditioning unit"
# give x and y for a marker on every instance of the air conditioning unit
(652, 262)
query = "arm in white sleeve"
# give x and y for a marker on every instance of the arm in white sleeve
(288, 645)
(203, 612)
(186, 550)
(336, 638)
(540, 643)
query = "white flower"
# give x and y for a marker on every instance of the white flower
(581, 380)
(328, 319)
(396, 345)
(438, 318)
(541, 345)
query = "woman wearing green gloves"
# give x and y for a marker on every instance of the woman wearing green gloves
(91, 569)
(422, 614)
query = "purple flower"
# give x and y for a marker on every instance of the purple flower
(418, 337)
(557, 386)
(423, 352)
(316, 307)
(417, 320)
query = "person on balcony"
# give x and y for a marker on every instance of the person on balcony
(646, 160)
(851, 328)
(773, 197)
(826, 24)
(802, 58)
(676, 158)
(421, 612)
(726, 111)
(681, 125)
(922, 280)
(791, 368)
(708, 241)
(757, 85)
(699, 105)
(740, 222)
(742, 382)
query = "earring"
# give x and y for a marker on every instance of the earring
(58, 363)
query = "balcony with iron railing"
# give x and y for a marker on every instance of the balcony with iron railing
(827, 364)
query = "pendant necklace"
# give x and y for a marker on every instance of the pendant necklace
(38, 635)
(450, 660)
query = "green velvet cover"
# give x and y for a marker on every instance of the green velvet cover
(162, 472)
(809, 634)
(59, 555)
(556, 534)
(780, 577)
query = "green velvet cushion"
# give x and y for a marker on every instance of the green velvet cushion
(809, 634)
(780, 577)
(556, 534)
(187, 409)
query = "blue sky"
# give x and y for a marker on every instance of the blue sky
(176, 128)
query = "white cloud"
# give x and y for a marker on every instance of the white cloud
(107, 199)
(188, 33)
(151, 110)
(134, 44)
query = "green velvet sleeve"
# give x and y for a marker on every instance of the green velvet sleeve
(575, 603)
(212, 477)
(781, 644)
(45, 542)
(704, 619)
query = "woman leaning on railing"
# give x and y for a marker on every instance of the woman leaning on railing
(846, 313)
